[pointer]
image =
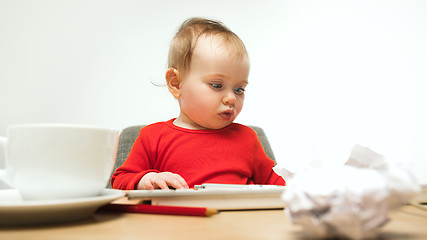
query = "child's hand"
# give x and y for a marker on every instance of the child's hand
(162, 180)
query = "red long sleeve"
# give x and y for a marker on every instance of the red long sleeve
(232, 155)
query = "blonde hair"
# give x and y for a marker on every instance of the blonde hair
(182, 45)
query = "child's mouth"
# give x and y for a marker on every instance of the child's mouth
(227, 115)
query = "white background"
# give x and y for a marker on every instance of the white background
(324, 74)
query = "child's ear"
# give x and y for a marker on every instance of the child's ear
(174, 82)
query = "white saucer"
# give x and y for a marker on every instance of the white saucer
(54, 211)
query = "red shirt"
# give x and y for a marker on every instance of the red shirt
(231, 155)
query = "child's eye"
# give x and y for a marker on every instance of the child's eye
(216, 85)
(239, 90)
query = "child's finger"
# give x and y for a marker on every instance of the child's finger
(161, 183)
(177, 182)
(183, 183)
(148, 185)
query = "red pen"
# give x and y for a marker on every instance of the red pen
(159, 209)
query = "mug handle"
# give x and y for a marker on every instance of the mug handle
(4, 180)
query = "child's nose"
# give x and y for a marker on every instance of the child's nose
(229, 99)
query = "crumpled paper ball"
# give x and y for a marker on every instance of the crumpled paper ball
(348, 201)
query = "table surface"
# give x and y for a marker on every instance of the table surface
(408, 222)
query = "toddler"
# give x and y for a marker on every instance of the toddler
(208, 73)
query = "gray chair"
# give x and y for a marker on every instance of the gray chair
(129, 134)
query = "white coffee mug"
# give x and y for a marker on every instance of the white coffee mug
(58, 161)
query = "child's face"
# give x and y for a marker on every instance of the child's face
(212, 92)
